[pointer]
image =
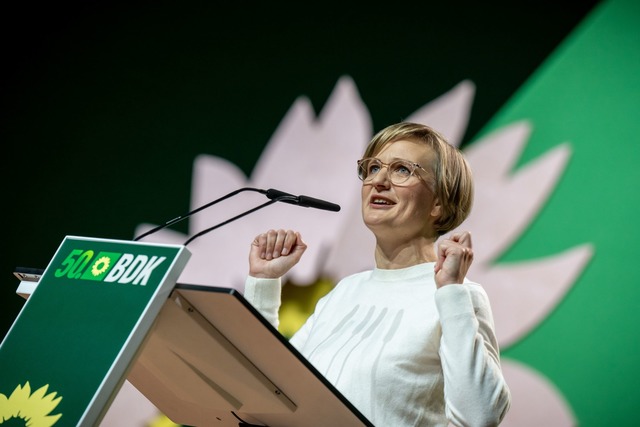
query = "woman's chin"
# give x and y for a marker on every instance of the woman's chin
(373, 223)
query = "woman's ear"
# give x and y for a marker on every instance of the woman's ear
(436, 210)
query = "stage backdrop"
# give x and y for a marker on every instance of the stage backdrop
(118, 119)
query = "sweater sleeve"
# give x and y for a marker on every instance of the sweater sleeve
(476, 393)
(264, 296)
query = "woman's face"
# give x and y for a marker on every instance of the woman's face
(406, 210)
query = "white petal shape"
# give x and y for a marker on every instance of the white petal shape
(523, 294)
(449, 113)
(535, 402)
(506, 202)
(326, 148)
(213, 178)
(353, 250)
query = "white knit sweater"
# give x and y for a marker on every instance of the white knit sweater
(402, 351)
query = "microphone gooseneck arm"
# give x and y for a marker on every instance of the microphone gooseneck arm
(205, 231)
(188, 214)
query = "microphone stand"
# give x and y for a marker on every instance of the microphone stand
(187, 215)
(272, 194)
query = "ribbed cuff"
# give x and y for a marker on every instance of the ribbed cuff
(453, 300)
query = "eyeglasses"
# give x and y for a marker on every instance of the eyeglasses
(399, 171)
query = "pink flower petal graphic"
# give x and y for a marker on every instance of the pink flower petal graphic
(535, 401)
(523, 294)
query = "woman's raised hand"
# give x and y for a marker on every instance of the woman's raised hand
(274, 253)
(455, 255)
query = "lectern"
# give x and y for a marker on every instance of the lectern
(108, 310)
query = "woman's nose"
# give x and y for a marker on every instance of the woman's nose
(381, 177)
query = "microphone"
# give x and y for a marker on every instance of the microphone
(304, 201)
(274, 196)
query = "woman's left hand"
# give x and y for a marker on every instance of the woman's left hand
(455, 255)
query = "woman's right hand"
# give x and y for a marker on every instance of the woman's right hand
(274, 253)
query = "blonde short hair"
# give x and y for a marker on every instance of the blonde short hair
(453, 180)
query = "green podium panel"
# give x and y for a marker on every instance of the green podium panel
(69, 350)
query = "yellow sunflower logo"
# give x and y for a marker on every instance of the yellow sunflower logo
(33, 409)
(100, 266)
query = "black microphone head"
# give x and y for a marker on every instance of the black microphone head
(304, 201)
(310, 202)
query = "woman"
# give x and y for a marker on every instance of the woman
(411, 342)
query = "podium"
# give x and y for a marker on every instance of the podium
(108, 310)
